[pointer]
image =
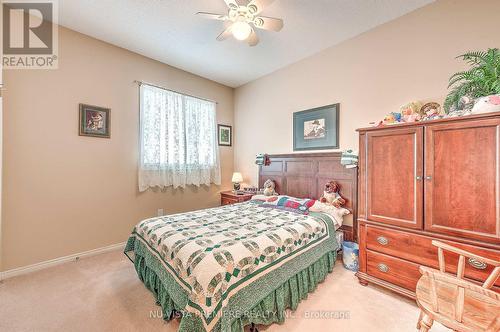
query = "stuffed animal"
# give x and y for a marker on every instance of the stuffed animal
(414, 117)
(465, 103)
(376, 123)
(410, 112)
(431, 107)
(269, 188)
(486, 104)
(432, 111)
(331, 195)
(392, 118)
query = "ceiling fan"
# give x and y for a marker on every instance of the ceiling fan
(240, 21)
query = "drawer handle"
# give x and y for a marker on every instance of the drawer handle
(382, 240)
(477, 264)
(383, 268)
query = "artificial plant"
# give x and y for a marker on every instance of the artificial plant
(482, 79)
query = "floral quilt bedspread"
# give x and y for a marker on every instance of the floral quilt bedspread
(214, 253)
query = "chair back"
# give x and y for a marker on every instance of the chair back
(462, 285)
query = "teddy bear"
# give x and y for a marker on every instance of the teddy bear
(269, 188)
(331, 195)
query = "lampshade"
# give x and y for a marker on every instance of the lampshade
(237, 178)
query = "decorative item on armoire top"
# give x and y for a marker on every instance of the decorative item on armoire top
(431, 111)
(317, 128)
(392, 118)
(465, 104)
(236, 179)
(225, 135)
(94, 121)
(269, 187)
(376, 123)
(487, 105)
(411, 112)
(464, 108)
(481, 80)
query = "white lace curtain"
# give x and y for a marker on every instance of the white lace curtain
(178, 144)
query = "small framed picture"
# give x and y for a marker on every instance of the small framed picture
(225, 134)
(316, 129)
(95, 121)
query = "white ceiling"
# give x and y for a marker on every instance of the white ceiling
(168, 31)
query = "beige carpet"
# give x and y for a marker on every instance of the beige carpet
(103, 293)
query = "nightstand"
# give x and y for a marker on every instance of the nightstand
(229, 197)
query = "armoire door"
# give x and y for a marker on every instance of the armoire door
(462, 179)
(394, 176)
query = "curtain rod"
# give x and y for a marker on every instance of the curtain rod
(163, 88)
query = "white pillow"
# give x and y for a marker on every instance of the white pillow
(260, 197)
(336, 213)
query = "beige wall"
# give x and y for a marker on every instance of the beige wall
(65, 194)
(407, 59)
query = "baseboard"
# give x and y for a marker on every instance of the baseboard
(57, 261)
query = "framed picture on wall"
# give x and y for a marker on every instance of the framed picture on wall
(225, 135)
(316, 129)
(95, 121)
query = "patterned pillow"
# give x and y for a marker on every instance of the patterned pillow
(273, 200)
(290, 203)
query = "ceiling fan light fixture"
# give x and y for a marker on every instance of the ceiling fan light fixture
(241, 21)
(258, 22)
(241, 30)
(252, 9)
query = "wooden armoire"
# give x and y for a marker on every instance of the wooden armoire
(429, 180)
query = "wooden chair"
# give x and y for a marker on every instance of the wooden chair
(454, 302)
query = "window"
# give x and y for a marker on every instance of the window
(178, 144)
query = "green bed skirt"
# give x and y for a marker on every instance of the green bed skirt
(269, 309)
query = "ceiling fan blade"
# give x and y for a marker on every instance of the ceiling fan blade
(257, 6)
(268, 23)
(232, 4)
(226, 33)
(253, 39)
(211, 16)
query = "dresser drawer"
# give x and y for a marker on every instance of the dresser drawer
(409, 246)
(393, 270)
(419, 249)
(228, 201)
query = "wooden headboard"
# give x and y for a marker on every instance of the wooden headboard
(305, 174)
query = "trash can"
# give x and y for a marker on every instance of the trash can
(350, 255)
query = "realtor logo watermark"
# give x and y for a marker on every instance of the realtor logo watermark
(251, 314)
(29, 34)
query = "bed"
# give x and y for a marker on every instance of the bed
(230, 266)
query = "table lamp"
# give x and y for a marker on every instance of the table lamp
(237, 179)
